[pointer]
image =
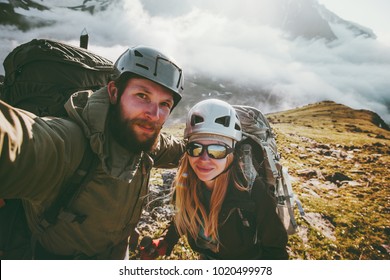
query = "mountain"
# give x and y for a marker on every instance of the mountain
(297, 18)
(203, 87)
(338, 159)
(304, 18)
(339, 117)
(309, 19)
(199, 87)
(355, 28)
(25, 14)
(270, 68)
(8, 15)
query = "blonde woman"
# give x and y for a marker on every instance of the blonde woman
(214, 209)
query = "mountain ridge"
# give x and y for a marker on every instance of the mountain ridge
(332, 110)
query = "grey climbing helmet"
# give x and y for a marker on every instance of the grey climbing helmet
(213, 116)
(153, 65)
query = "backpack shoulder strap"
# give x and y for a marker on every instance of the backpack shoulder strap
(80, 177)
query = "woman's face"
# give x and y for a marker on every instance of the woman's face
(205, 167)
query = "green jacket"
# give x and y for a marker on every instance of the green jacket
(38, 154)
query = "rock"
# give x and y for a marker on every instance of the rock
(322, 146)
(158, 211)
(314, 161)
(320, 223)
(309, 173)
(338, 177)
(357, 171)
(317, 184)
(303, 234)
(386, 248)
(351, 183)
(168, 177)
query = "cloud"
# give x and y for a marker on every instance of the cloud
(232, 42)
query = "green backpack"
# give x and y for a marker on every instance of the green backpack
(39, 77)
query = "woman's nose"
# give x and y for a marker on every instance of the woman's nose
(204, 155)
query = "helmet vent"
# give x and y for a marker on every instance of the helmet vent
(137, 53)
(142, 66)
(196, 119)
(225, 121)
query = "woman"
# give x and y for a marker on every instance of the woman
(214, 209)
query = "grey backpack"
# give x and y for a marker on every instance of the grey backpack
(259, 157)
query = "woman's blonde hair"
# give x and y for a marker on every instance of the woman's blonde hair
(191, 214)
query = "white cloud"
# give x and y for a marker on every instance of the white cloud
(231, 42)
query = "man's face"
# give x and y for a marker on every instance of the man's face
(139, 113)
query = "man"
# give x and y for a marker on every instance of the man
(121, 124)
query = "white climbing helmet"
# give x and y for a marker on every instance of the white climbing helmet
(213, 116)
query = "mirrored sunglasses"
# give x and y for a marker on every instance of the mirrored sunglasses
(215, 151)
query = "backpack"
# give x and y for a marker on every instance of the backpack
(258, 156)
(39, 77)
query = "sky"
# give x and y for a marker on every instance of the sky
(371, 13)
(231, 42)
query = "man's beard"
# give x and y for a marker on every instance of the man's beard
(123, 132)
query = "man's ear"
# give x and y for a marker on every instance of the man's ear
(112, 92)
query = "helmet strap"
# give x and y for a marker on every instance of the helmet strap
(223, 172)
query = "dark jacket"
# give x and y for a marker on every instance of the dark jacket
(249, 228)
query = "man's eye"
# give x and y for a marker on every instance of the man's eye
(141, 95)
(166, 104)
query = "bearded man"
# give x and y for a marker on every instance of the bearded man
(121, 125)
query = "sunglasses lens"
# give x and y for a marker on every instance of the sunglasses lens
(194, 149)
(216, 151)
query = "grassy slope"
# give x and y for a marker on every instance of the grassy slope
(318, 140)
(346, 218)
